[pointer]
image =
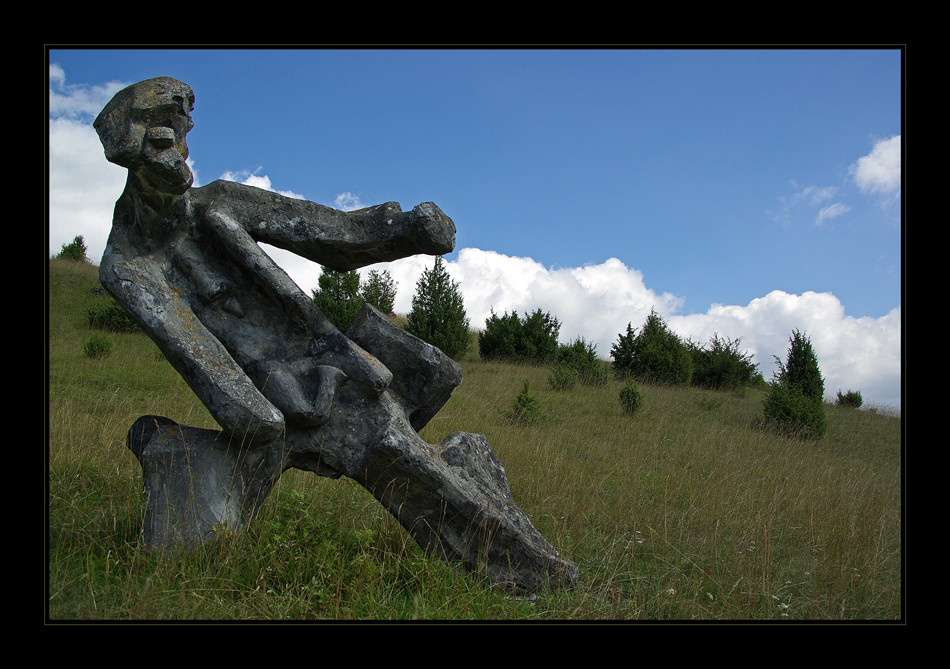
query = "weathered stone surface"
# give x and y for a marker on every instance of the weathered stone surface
(198, 482)
(423, 377)
(287, 387)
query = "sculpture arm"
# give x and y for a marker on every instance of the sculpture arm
(336, 239)
(218, 381)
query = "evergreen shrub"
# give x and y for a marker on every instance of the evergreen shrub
(654, 354)
(721, 365)
(851, 399)
(380, 291)
(795, 401)
(563, 377)
(510, 337)
(526, 408)
(97, 346)
(581, 356)
(338, 296)
(76, 250)
(107, 314)
(631, 398)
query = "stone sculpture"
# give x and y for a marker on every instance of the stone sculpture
(287, 388)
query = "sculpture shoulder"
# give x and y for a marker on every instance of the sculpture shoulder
(246, 202)
(222, 192)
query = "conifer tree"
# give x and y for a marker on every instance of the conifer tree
(75, 250)
(795, 401)
(438, 312)
(380, 290)
(338, 296)
(654, 354)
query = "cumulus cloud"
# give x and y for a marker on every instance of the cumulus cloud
(879, 172)
(255, 178)
(853, 353)
(348, 202)
(78, 100)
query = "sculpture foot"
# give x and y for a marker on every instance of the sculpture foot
(455, 501)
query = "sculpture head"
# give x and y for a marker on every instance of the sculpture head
(143, 129)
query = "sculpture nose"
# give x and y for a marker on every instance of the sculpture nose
(161, 137)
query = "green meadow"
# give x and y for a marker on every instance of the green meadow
(683, 510)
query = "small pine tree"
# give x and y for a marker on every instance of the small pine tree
(74, 251)
(380, 291)
(631, 398)
(338, 296)
(801, 368)
(795, 401)
(438, 312)
(526, 408)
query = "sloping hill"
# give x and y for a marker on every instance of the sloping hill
(683, 510)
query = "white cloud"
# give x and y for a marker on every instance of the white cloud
(78, 100)
(348, 202)
(853, 353)
(831, 211)
(83, 187)
(879, 172)
(254, 178)
(811, 197)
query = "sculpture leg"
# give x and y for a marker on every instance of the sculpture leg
(455, 501)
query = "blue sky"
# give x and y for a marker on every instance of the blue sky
(741, 192)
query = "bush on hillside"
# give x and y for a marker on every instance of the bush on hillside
(851, 399)
(721, 365)
(76, 250)
(97, 346)
(788, 410)
(795, 401)
(562, 377)
(631, 398)
(581, 357)
(654, 354)
(510, 337)
(107, 314)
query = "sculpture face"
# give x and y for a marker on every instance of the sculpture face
(143, 129)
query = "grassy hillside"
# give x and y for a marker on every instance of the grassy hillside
(683, 510)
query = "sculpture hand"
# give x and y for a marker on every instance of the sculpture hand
(432, 230)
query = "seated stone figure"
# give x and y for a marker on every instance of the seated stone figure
(185, 261)
(287, 387)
